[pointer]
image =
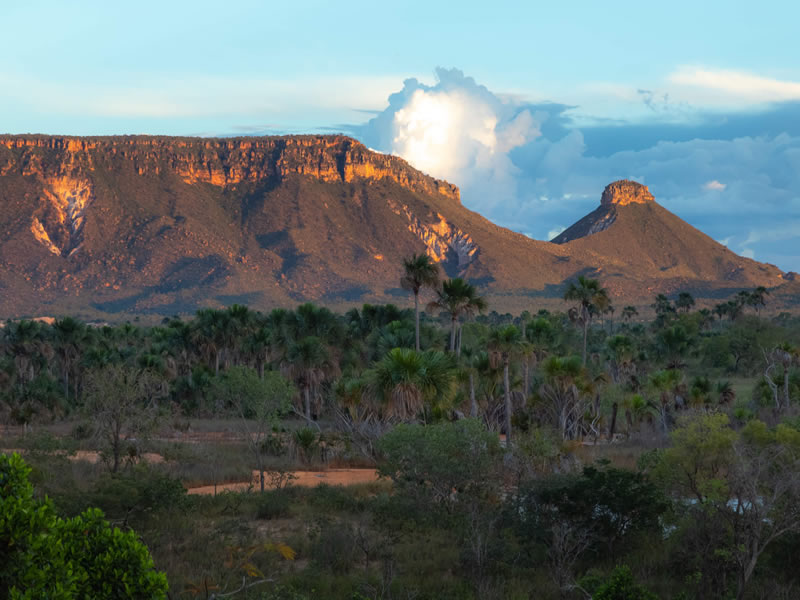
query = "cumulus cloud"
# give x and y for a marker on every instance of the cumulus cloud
(530, 167)
(714, 185)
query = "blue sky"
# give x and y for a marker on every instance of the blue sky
(531, 109)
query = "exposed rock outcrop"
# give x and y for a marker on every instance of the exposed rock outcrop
(58, 224)
(444, 242)
(624, 192)
(222, 162)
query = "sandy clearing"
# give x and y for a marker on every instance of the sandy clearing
(304, 479)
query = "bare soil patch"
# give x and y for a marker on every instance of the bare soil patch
(304, 479)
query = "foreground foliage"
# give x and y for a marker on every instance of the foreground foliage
(44, 556)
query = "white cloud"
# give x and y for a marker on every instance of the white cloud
(527, 169)
(554, 232)
(714, 185)
(738, 85)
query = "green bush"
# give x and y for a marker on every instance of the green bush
(274, 504)
(618, 586)
(137, 492)
(328, 498)
(44, 556)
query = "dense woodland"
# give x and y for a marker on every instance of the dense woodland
(589, 453)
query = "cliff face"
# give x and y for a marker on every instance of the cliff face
(152, 224)
(624, 192)
(219, 162)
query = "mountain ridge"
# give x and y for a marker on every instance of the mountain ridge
(138, 224)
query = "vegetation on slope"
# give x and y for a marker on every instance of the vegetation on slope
(664, 464)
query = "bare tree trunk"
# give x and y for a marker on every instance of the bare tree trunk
(585, 335)
(307, 394)
(786, 385)
(473, 404)
(506, 388)
(416, 318)
(525, 379)
(613, 426)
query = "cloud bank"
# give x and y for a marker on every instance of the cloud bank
(531, 167)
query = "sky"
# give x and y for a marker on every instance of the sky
(530, 108)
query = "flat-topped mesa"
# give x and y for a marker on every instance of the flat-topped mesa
(624, 192)
(217, 161)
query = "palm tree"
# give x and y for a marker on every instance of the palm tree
(405, 381)
(664, 383)
(785, 355)
(563, 391)
(685, 302)
(757, 297)
(469, 361)
(504, 344)
(211, 333)
(419, 271)
(308, 359)
(457, 297)
(26, 342)
(71, 336)
(241, 322)
(629, 312)
(257, 346)
(725, 392)
(590, 297)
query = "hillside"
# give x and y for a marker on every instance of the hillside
(633, 238)
(164, 225)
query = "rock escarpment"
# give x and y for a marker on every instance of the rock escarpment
(165, 225)
(624, 192)
(219, 162)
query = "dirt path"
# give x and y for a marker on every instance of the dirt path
(304, 479)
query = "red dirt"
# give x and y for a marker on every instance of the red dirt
(304, 479)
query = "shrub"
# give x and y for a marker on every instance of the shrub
(44, 556)
(621, 586)
(334, 548)
(274, 504)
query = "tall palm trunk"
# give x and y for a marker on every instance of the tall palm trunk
(507, 389)
(526, 378)
(614, 408)
(416, 317)
(452, 334)
(307, 394)
(473, 404)
(585, 334)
